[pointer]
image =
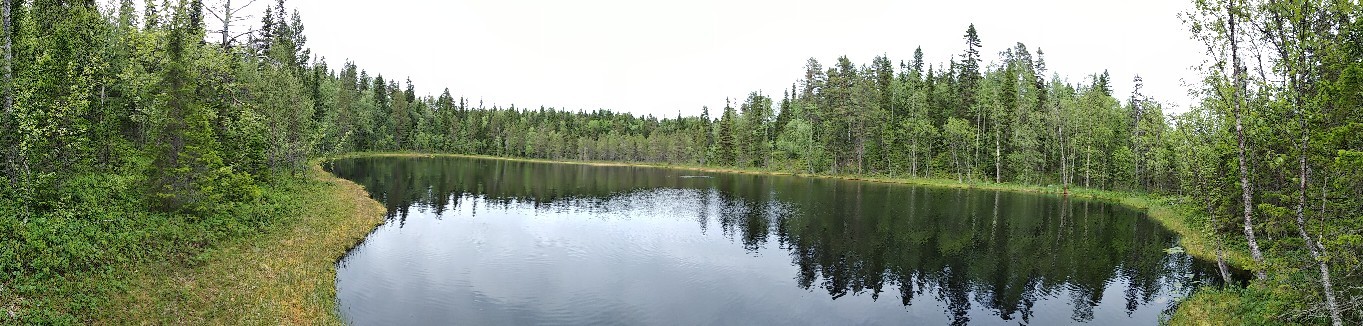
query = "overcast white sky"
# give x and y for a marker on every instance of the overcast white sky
(661, 57)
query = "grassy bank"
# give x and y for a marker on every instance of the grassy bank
(285, 276)
(271, 263)
(1252, 305)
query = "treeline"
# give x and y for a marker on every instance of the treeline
(1005, 122)
(146, 108)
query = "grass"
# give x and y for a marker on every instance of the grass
(1208, 307)
(1252, 305)
(284, 276)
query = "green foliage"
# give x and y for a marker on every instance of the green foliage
(102, 227)
(727, 142)
(959, 134)
(798, 143)
(187, 155)
(110, 119)
(1238, 306)
(1301, 199)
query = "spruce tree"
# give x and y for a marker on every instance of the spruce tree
(187, 152)
(969, 69)
(726, 146)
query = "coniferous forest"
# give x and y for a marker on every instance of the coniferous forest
(148, 132)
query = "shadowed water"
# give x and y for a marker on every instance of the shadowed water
(486, 242)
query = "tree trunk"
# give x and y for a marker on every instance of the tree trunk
(1220, 255)
(226, 23)
(1064, 166)
(11, 168)
(229, 16)
(975, 144)
(1246, 191)
(1088, 154)
(1312, 246)
(913, 167)
(1221, 262)
(956, 162)
(1296, 89)
(1060, 141)
(998, 159)
(1136, 148)
(9, 58)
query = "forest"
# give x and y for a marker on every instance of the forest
(139, 132)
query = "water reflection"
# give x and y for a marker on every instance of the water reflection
(971, 257)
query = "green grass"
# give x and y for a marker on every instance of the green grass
(285, 276)
(279, 270)
(1234, 306)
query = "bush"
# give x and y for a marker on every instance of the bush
(87, 229)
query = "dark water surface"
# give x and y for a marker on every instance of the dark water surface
(492, 242)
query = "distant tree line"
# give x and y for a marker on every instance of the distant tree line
(144, 101)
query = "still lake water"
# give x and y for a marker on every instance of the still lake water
(494, 242)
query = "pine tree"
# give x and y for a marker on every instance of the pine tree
(757, 133)
(400, 117)
(917, 64)
(445, 109)
(347, 98)
(969, 70)
(187, 154)
(708, 140)
(882, 73)
(151, 15)
(726, 145)
(783, 117)
(810, 98)
(1104, 83)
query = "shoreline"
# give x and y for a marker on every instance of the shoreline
(283, 276)
(1194, 242)
(1196, 309)
(287, 275)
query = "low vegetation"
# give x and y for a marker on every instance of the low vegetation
(280, 270)
(281, 276)
(127, 139)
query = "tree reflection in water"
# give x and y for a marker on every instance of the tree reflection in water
(1001, 251)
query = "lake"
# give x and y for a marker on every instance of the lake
(492, 242)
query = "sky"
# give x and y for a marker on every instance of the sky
(670, 57)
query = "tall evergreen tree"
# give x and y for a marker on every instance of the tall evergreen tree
(969, 69)
(725, 144)
(188, 149)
